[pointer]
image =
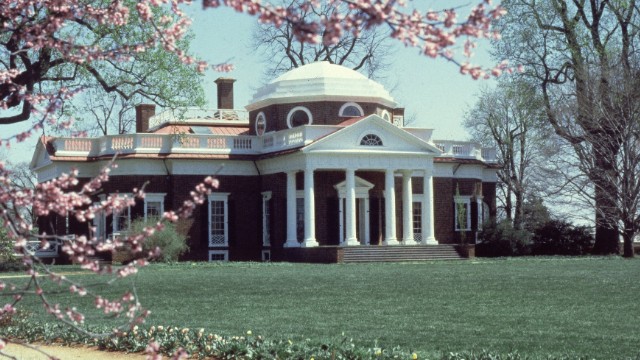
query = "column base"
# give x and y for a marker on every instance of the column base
(291, 244)
(430, 241)
(309, 243)
(351, 242)
(392, 241)
(411, 241)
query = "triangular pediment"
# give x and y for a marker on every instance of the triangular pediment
(392, 139)
(40, 156)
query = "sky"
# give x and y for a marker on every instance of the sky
(431, 90)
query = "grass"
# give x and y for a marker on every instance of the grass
(535, 306)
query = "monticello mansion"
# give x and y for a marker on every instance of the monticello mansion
(317, 164)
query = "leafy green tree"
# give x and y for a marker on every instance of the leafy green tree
(154, 75)
(171, 243)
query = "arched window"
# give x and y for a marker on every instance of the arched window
(371, 140)
(385, 115)
(261, 124)
(351, 109)
(299, 116)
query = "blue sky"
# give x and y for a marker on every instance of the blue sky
(432, 90)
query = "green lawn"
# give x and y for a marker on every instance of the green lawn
(539, 307)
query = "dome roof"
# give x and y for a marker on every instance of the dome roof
(320, 81)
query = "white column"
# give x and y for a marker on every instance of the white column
(351, 238)
(390, 209)
(309, 211)
(428, 232)
(292, 236)
(407, 209)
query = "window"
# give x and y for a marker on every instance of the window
(218, 255)
(385, 115)
(417, 221)
(351, 109)
(371, 140)
(100, 221)
(483, 214)
(462, 213)
(218, 219)
(153, 205)
(261, 124)
(299, 116)
(266, 218)
(121, 219)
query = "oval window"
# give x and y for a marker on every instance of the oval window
(299, 116)
(261, 124)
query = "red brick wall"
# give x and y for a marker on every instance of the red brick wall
(324, 113)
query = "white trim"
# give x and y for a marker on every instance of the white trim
(293, 111)
(225, 253)
(224, 197)
(346, 105)
(386, 113)
(115, 226)
(154, 197)
(264, 117)
(462, 199)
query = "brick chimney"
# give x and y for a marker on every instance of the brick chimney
(225, 92)
(143, 113)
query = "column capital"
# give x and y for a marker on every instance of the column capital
(406, 172)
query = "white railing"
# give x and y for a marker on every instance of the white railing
(141, 143)
(197, 115)
(466, 150)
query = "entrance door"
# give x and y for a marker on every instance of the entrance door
(362, 220)
(362, 188)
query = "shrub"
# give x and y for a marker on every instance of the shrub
(501, 239)
(558, 237)
(169, 240)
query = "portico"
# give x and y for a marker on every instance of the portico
(353, 208)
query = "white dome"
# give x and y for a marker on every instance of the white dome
(320, 81)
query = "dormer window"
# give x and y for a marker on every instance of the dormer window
(351, 109)
(371, 140)
(261, 124)
(385, 115)
(299, 116)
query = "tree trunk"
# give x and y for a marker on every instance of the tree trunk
(607, 235)
(627, 236)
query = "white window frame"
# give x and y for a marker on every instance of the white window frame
(224, 197)
(293, 111)
(346, 105)
(153, 197)
(385, 115)
(115, 216)
(264, 117)
(266, 255)
(225, 253)
(483, 213)
(462, 199)
(266, 218)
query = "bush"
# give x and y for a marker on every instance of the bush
(501, 239)
(558, 237)
(169, 240)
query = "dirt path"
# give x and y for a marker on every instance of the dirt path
(65, 353)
